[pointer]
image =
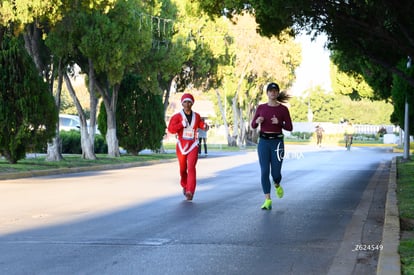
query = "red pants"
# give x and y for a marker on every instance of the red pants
(187, 165)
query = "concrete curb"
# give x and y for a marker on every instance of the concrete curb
(389, 262)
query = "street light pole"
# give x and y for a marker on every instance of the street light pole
(406, 155)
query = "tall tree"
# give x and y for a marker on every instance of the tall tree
(161, 67)
(113, 40)
(64, 40)
(192, 58)
(211, 62)
(372, 36)
(333, 107)
(140, 117)
(351, 84)
(259, 60)
(27, 111)
(402, 92)
(379, 32)
(49, 68)
(34, 19)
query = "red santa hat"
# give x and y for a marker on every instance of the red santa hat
(187, 97)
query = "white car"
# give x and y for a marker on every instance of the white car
(68, 122)
(96, 127)
(72, 122)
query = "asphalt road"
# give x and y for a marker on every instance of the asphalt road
(135, 220)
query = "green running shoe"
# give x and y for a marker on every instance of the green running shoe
(267, 205)
(279, 191)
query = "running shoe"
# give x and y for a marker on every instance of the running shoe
(267, 205)
(189, 196)
(279, 191)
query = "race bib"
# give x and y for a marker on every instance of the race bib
(188, 133)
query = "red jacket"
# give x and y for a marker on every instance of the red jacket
(187, 136)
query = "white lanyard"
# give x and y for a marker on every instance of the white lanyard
(188, 132)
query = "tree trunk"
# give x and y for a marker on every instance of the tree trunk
(166, 104)
(110, 98)
(223, 115)
(32, 38)
(237, 113)
(236, 117)
(111, 138)
(251, 134)
(242, 133)
(168, 93)
(112, 141)
(93, 99)
(54, 149)
(87, 144)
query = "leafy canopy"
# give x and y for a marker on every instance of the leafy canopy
(378, 33)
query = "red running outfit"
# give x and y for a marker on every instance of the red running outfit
(187, 146)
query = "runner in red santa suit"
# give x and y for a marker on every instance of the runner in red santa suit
(185, 124)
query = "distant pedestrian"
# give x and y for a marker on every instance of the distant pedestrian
(202, 138)
(382, 131)
(349, 135)
(185, 125)
(272, 117)
(319, 135)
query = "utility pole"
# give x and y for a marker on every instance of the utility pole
(406, 155)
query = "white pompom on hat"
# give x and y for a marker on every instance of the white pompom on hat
(187, 97)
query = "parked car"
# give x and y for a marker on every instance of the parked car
(96, 127)
(68, 122)
(72, 122)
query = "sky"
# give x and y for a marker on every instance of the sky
(314, 69)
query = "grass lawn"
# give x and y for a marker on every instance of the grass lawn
(38, 162)
(405, 197)
(71, 161)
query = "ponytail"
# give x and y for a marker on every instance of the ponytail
(283, 97)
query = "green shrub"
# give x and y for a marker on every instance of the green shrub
(100, 145)
(366, 137)
(302, 135)
(71, 143)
